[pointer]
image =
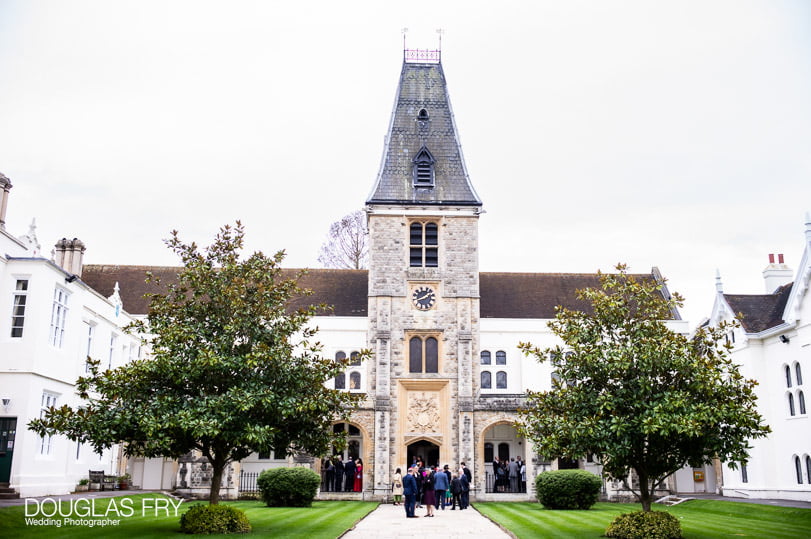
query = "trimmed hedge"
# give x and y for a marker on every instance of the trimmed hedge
(288, 487)
(211, 519)
(645, 525)
(567, 489)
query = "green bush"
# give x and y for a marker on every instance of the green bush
(288, 487)
(209, 519)
(567, 489)
(645, 525)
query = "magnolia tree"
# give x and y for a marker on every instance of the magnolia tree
(637, 395)
(233, 370)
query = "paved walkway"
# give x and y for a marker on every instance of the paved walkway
(390, 521)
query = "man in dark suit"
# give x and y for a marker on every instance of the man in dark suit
(465, 496)
(349, 475)
(339, 474)
(410, 493)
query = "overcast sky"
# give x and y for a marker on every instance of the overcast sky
(670, 134)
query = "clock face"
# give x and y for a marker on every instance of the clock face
(423, 298)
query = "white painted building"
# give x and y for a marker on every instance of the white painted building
(773, 346)
(50, 321)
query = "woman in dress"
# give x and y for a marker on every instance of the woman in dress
(358, 475)
(397, 486)
(429, 495)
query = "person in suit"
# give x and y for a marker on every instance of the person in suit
(410, 493)
(512, 473)
(440, 487)
(339, 473)
(349, 475)
(465, 494)
(456, 491)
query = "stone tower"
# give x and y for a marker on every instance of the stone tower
(423, 282)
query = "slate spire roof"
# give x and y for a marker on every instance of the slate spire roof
(422, 120)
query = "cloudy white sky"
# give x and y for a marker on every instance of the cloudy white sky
(670, 134)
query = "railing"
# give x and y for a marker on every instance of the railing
(247, 483)
(422, 56)
(494, 484)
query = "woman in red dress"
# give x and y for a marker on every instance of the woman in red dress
(358, 476)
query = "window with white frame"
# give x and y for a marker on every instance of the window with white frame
(488, 375)
(18, 308)
(111, 355)
(801, 401)
(791, 410)
(59, 313)
(808, 468)
(798, 469)
(744, 474)
(787, 370)
(88, 351)
(46, 442)
(798, 373)
(352, 377)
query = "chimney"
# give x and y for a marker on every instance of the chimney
(5, 186)
(776, 274)
(68, 255)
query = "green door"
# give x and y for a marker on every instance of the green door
(8, 428)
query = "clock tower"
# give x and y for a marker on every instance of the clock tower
(423, 282)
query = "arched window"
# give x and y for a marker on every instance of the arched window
(801, 402)
(423, 354)
(423, 115)
(501, 357)
(504, 451)
(808, 468)
(501, 380)
(340, 356)
(488, 452)
(799, 469)
(340, 381)
(485, 357)
(354, 380)
(487, 382)
(791, 404)
(744, 474)
(424, 245)
(798, 374)
(354, 359)
(788, 376)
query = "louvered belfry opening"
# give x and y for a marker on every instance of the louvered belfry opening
(424, 168)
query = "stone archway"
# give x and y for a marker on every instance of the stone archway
(426, 449)
(500, 441)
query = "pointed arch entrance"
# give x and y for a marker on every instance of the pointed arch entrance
(428, 451)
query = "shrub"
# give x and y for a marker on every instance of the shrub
(208, 519)
(288, 487)
(567, 489)
(645, 525)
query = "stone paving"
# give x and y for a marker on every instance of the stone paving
(390, 521)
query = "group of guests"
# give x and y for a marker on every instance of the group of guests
(510, 476)
(430, 487)
(342, 476)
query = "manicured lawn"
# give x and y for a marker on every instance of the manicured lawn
(699, 519)
(323, 519)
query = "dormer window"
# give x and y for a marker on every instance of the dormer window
(424, 168)
(423, 115)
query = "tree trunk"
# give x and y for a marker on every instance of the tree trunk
(644, 491)
(216, 480)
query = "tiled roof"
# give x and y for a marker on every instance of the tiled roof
(760, 311)
(345, 290)
(503, 295)
(422, 86)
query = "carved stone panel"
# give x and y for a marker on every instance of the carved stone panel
(423, 412)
